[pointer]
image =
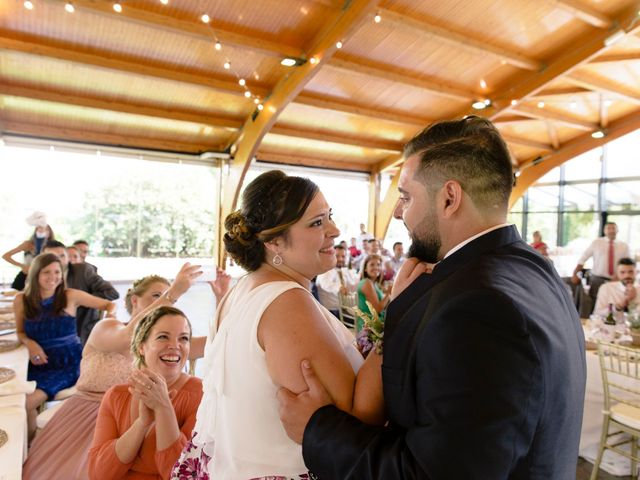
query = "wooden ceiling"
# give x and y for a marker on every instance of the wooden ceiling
(554, 71)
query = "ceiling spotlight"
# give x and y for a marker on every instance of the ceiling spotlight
(483, 83)
(573, 105)
(599, 133)
(242, 82)
(487, 102)
(164, 2)
(28, 4)
(205, 18)
(514, 102)
(313, 60)
(608, 103)
(69, 7)
(481, 104)
(247, 94)
(338, 44)
(540, 104)
(377, 18)
(117, 7)
(288, 62)
(260, 106)
(218, 45)
(227, 65)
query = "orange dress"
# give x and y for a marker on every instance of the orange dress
(114, 419)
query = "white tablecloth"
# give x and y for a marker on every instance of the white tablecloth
(592, 422)
(13, 416)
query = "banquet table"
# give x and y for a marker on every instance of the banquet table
(13, 415)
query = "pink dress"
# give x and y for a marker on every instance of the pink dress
(59, 452)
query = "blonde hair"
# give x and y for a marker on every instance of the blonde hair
(141, 333)
(140, 287)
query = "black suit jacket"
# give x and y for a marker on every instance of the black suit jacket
(83, 276)
(483, 372)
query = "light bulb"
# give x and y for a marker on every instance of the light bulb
(69, 7)
(514, 102)
(377, 18)
(247, 94)
(218, 45)
(256, 100)
(242, 82)
(338, 44)
(28, 5)
(313, 60)
(227, 65)
(205, 18)
(540, 104)
(260, 106)
(117, 7)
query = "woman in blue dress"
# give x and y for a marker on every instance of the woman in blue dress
(46, 325)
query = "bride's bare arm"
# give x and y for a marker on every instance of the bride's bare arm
(368, 399)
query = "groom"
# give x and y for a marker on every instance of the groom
(484, 367)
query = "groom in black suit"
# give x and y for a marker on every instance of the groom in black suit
(484, 368)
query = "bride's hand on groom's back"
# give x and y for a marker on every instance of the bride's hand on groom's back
(411, 269)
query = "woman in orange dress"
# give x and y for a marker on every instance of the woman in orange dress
(143, 426)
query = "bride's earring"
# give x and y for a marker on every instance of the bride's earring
(277, 259)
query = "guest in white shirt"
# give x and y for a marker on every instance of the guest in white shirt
(363, 237)
(339, 280)
(398, 256)
(606, 252)
(623, 293)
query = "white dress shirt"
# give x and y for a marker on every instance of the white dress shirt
(599, 252)
(477, 235)
(329, 285)
(613, 292)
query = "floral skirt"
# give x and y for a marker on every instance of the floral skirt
(193, 463)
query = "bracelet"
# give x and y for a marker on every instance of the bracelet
(168, 297)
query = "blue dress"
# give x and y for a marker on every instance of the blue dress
(58, 337)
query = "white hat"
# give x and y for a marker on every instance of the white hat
(37, 219)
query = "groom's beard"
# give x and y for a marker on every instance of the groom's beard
(426, 242)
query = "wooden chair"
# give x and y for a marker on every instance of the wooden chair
(346, 303)
(620, 368)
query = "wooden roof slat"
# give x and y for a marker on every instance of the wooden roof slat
(433, 85)
(553, 135)
(461, 40)
(547, 114)
(585, 80)
(616, 57)
(195, 28)
(122, 107)
(561, 91)
(391, 162)
(103, 138)
(267, 156)
(525, 142)
(327, 136)
(604, 112)
(110, 61)
(585, 13)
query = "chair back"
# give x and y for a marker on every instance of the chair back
(346, 303)
(620, 368)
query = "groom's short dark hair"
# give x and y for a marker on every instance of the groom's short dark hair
(470, 151)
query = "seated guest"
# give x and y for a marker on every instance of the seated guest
(83, 276)
(46, 325)
(59, 451)
(537, 240)
(83, 248)
(622, 293)
(370, 288)
(354, 251)
(398, 258)
(143, 426)
(74, 255)
(338, 280)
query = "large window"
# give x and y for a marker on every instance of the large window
(570, 203)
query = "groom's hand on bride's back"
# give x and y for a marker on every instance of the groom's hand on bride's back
(296, 410)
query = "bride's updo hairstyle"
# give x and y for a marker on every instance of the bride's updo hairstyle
(270, 205)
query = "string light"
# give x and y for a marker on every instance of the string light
(227, 65)
(313, 60)
(164, 2)
(28, 5)
(514, 102)
(69, 7)
(540, 104)
(117, 7)
(338, 44)
(377, 18)
(247, 94)
(483, 83)
(260, 106)
(205, 18)
(242, 82)
(218, 45)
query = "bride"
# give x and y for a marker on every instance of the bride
(283, 236)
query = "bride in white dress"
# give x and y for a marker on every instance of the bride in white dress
(283, 235)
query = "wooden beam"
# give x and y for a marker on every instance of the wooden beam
(323, 47)
(581, 50)
(460, 39)
(525, 142)
(332, 137)
(433, 85)
(504, 118)
(386, 207)
(192, 28)
(561, 91)
(116, 62)
(345, 106)
(391, 162)
(374, 202)
(553, 135)
(69, 98)
(308, 161)
(559, 117)
(571, 149)
(617, 57)
(103, 138)
(604, 112)
(602, 85)
(585, 13)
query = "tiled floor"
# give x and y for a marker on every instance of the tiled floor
(583, 472)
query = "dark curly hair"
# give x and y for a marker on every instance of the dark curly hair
(270, 205)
